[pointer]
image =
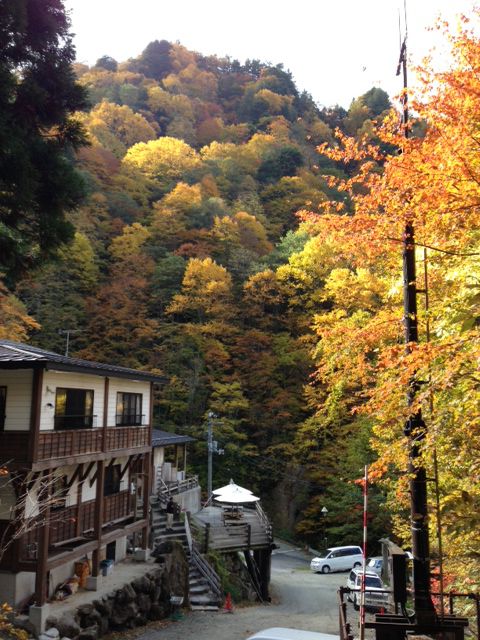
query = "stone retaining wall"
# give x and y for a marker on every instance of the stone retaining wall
(145, 598)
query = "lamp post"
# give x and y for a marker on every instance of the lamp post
(324, 513)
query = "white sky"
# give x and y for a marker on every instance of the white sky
(335, 49)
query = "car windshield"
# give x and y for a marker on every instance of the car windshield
(370, 581)
(325, 553)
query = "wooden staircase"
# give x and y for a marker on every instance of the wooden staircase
(205, 592)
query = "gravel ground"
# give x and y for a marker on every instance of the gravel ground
(299, 599)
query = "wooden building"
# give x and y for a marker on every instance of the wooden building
(75, 467)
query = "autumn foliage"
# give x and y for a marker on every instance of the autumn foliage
(247, 244)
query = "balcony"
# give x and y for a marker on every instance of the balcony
(71, 443)
(64, 444)
(73, 525)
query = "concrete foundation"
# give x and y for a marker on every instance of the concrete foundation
(38, 616)
(93, 583)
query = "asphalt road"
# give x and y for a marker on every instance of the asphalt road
(299, 599)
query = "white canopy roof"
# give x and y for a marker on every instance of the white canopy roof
(228, 487)
(235, 495)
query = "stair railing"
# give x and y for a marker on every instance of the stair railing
(264, 520)
(205, 569)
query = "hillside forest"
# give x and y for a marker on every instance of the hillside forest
(216, 226)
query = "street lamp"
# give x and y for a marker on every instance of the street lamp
(324, 512)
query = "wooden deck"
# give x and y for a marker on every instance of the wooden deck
(217, 530)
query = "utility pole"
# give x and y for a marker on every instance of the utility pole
(212, 447)
(211, 415)
(415, 428)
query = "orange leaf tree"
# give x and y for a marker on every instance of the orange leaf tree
(432, 181)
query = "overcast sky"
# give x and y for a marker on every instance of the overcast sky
(335, 49)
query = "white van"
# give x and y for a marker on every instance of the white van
(376, 595)
(283, 633)
(337, 559)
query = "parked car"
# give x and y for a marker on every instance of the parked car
(337, 559)
(283, 633)
(375, 563)
(376, 597)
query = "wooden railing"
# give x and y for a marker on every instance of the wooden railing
(117, 506)
(72, 523)
(53, 445)
(166, 488)
(127, 437)
(14, 445)
(62, 444)
(204, 567)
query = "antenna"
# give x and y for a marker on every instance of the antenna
(67, 332)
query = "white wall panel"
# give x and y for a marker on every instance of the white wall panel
(19, 398)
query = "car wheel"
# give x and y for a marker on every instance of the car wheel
(356, 565)
(355, 605)
(325, 568)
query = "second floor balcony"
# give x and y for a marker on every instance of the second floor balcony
(72, 442)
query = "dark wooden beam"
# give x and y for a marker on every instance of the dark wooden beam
(130, 462)
(84, 475)
(146, 497)
(32, 480)
(43, 534)
(98, 516)
(78, 528)
(76, 474)
(35, 412)
(106, 388)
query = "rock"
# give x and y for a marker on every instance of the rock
(68, 626)
(142, 585)
(52, 633)
(157, 612)
(90, 617)
(42, 636)
(90, 633)
(144, 602)
(50, 622)
(140, 620)
(85, 609)
(103, 606)
(121, 614)
(130, 593)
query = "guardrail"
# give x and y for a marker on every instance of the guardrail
(166, 489)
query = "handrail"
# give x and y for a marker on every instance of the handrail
(264, 519)
(207, 572)
(199, 561)
(188, 531)
(177, 486)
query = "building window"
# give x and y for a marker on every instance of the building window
(73, 408)
(129, 409)
(112, 480)
(3, 405)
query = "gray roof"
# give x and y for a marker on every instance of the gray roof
(15, 355)
(164, 438)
